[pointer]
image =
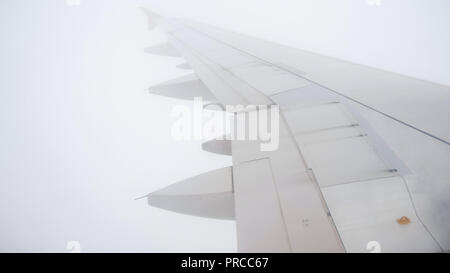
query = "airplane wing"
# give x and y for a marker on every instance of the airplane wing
(363, 154)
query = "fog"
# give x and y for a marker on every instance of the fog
(81, 138)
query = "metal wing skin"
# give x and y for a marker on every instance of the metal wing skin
(363, 154)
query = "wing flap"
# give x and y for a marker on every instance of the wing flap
(372, 211)
(259, 219)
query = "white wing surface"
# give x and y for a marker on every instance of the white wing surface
(363, 154)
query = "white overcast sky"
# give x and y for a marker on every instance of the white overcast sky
(80, 137)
